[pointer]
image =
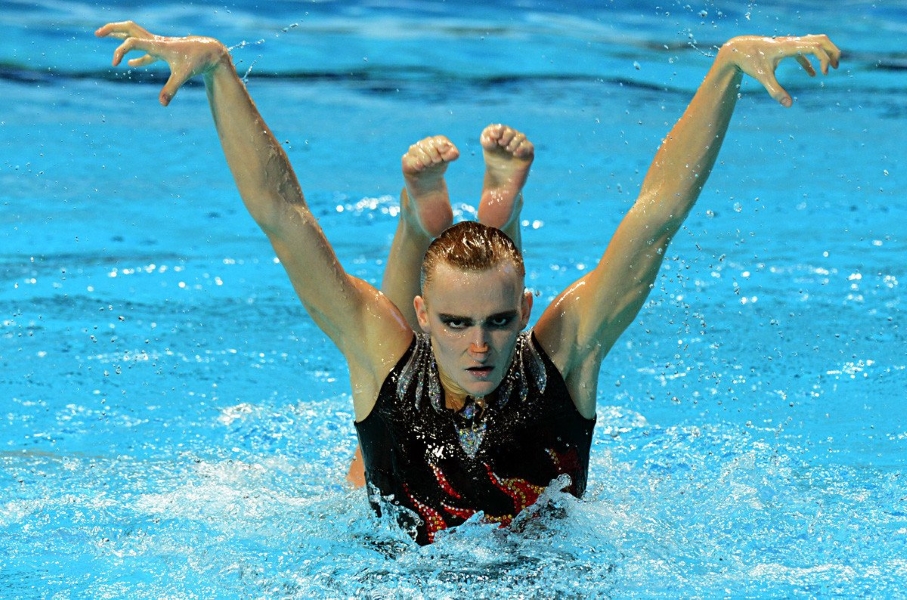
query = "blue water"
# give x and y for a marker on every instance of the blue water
(173, 425)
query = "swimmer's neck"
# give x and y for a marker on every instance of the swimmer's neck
(456, 403)
(455, 398)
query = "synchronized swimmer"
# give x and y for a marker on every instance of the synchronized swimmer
(459, 409)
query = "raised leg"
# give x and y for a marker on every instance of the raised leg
(508, 157)
(424, 213)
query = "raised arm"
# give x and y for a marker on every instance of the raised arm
(582, 325)
(365, 326)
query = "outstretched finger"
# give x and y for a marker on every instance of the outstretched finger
(775, 90)
(834, 53)
(807, 66)
(125, 48)
(122, 30)
(823, 49)
(143, 61)
(824, 58)
(170, 88)
(826, 51)
(114, 30)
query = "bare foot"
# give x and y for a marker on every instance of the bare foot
(425, 201)
(508, 156)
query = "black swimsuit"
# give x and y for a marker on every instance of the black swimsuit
(445, 466)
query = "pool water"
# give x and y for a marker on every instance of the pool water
(172, 424)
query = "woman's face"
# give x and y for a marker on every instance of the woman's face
(473, 318)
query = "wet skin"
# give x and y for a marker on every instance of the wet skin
(474, 318)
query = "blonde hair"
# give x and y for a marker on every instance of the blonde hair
(470, 246)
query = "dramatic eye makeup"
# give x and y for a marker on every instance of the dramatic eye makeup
(495, 321)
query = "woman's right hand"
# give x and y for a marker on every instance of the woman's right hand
(186, 56)
(758, 57)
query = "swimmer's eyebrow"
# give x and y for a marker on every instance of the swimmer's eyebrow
(449, 317)
(507, 314)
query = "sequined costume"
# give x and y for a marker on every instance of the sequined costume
(445, 466)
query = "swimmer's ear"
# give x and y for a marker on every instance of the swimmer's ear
(526, 308)
(422, 314)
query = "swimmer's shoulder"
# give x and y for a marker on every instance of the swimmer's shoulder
(380, 356)
(579, 366)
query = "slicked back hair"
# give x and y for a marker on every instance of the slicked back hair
(470, 246)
